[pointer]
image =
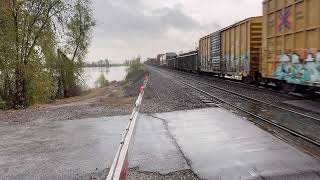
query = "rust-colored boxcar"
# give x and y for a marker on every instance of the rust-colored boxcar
(241, 45)
(291, 41)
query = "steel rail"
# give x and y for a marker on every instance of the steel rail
(235, 82)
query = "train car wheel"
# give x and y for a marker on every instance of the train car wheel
(248, 80)
(288, 88)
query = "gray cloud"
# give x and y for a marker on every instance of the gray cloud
(126, 28)
(127, 18)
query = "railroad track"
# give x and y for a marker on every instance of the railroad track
(249, 98)
(241, 84)
(254, 99)
(295, 116)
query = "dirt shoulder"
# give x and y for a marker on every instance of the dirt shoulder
(109, 101)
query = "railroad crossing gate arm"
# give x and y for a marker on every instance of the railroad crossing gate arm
(120, 165)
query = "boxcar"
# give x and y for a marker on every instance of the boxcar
(241, 45)
(209, 53)
(291, 42)
(171, 63)
(158, 61)
(188, 61)
(162, 60)
(154, 61)
(165, 57)
(151, 61)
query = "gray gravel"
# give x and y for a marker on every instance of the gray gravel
(81, 111)
(165, 95)
(83, 107)
(179, 175)
(263, 94)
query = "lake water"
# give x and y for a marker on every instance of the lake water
(91, 74)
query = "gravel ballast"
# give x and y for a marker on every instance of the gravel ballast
(263, 94)
(164, 95)
(135, 174)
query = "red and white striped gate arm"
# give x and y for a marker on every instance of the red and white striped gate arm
(120, 165)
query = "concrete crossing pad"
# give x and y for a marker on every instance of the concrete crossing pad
(221, 145)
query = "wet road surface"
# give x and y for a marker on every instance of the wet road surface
(221, 145)
(60, 149)
(154, 148)
(74, 149)
(213, 142)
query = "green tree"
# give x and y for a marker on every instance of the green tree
(25, 23)
(79, 28)
(106, 62)
(31, 32)
(135, 70)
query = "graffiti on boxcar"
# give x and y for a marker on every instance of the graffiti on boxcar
(232, 63)
(301, 66)
(283, 20)
(245, 61)
(227, 61)
(239, 64)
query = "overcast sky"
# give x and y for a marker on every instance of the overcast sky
(126, 28)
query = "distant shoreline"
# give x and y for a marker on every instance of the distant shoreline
(86, 66)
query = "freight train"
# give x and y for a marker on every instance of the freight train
(282, 47)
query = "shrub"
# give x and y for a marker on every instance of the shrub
(102, 81)
(3, 105)
(135, 71)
